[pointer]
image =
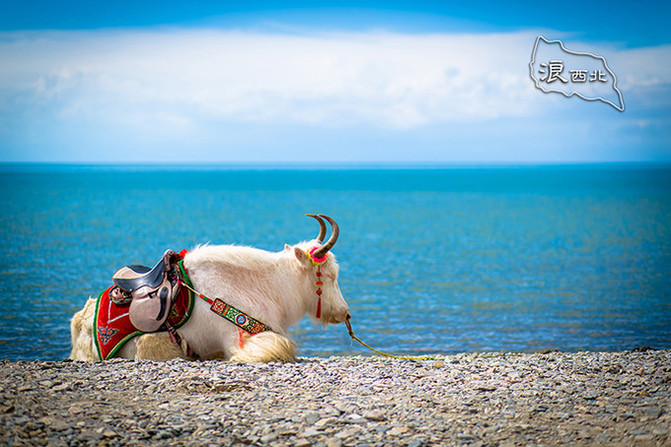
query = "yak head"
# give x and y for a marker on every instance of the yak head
(319, 270)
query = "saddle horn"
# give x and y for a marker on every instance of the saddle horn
(335, 232)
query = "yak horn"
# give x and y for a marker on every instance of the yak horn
(335, 231)
(322, 227)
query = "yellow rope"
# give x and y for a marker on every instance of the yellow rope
(402, 357)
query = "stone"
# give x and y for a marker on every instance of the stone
(312, 417)
(324, 422)
(309, 432)
(89, 435)
(374, 415)
(638, 432)
(344, 434)
(354, 418)
(466, 437)
(397, 431)
(654, 412)
(74, 409)
(108, 433)
(482, 399)
(270, 437)
(417, 442)
(486, 388)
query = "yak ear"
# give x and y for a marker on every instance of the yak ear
(301, 255)
(287, 246)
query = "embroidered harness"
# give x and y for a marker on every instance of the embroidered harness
(113, 326)
(137, 304)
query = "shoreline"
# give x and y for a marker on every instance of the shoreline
(555, 398)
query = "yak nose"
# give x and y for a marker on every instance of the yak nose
(340, 317)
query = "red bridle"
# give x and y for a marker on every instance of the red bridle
(318, 262)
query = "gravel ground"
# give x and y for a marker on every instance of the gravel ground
(586, 398)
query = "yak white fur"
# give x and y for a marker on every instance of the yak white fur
(275, 288)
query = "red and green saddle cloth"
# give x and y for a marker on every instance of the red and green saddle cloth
(113, 328)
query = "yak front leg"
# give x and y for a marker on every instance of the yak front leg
(157, 346)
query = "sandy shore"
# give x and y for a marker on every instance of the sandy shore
(588, 398)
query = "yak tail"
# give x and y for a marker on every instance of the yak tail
(265, 347)
(81, 330)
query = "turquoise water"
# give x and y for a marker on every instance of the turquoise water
(432, 260)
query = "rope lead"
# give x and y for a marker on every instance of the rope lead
(402, 357)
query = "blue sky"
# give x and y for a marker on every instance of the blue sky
(278, 82)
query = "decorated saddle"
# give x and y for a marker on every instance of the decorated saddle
(142, 300)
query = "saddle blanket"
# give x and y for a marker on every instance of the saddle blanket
(113, 328)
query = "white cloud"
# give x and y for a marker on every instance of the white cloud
(389, 80)
(215, 91)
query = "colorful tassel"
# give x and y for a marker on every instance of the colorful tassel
(319, 292)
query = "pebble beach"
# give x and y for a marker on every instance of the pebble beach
(479, 399)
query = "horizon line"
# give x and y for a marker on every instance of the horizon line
(29, 166)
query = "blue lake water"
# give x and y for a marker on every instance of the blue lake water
(432, 260)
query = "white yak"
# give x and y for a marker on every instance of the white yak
(277, 289)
